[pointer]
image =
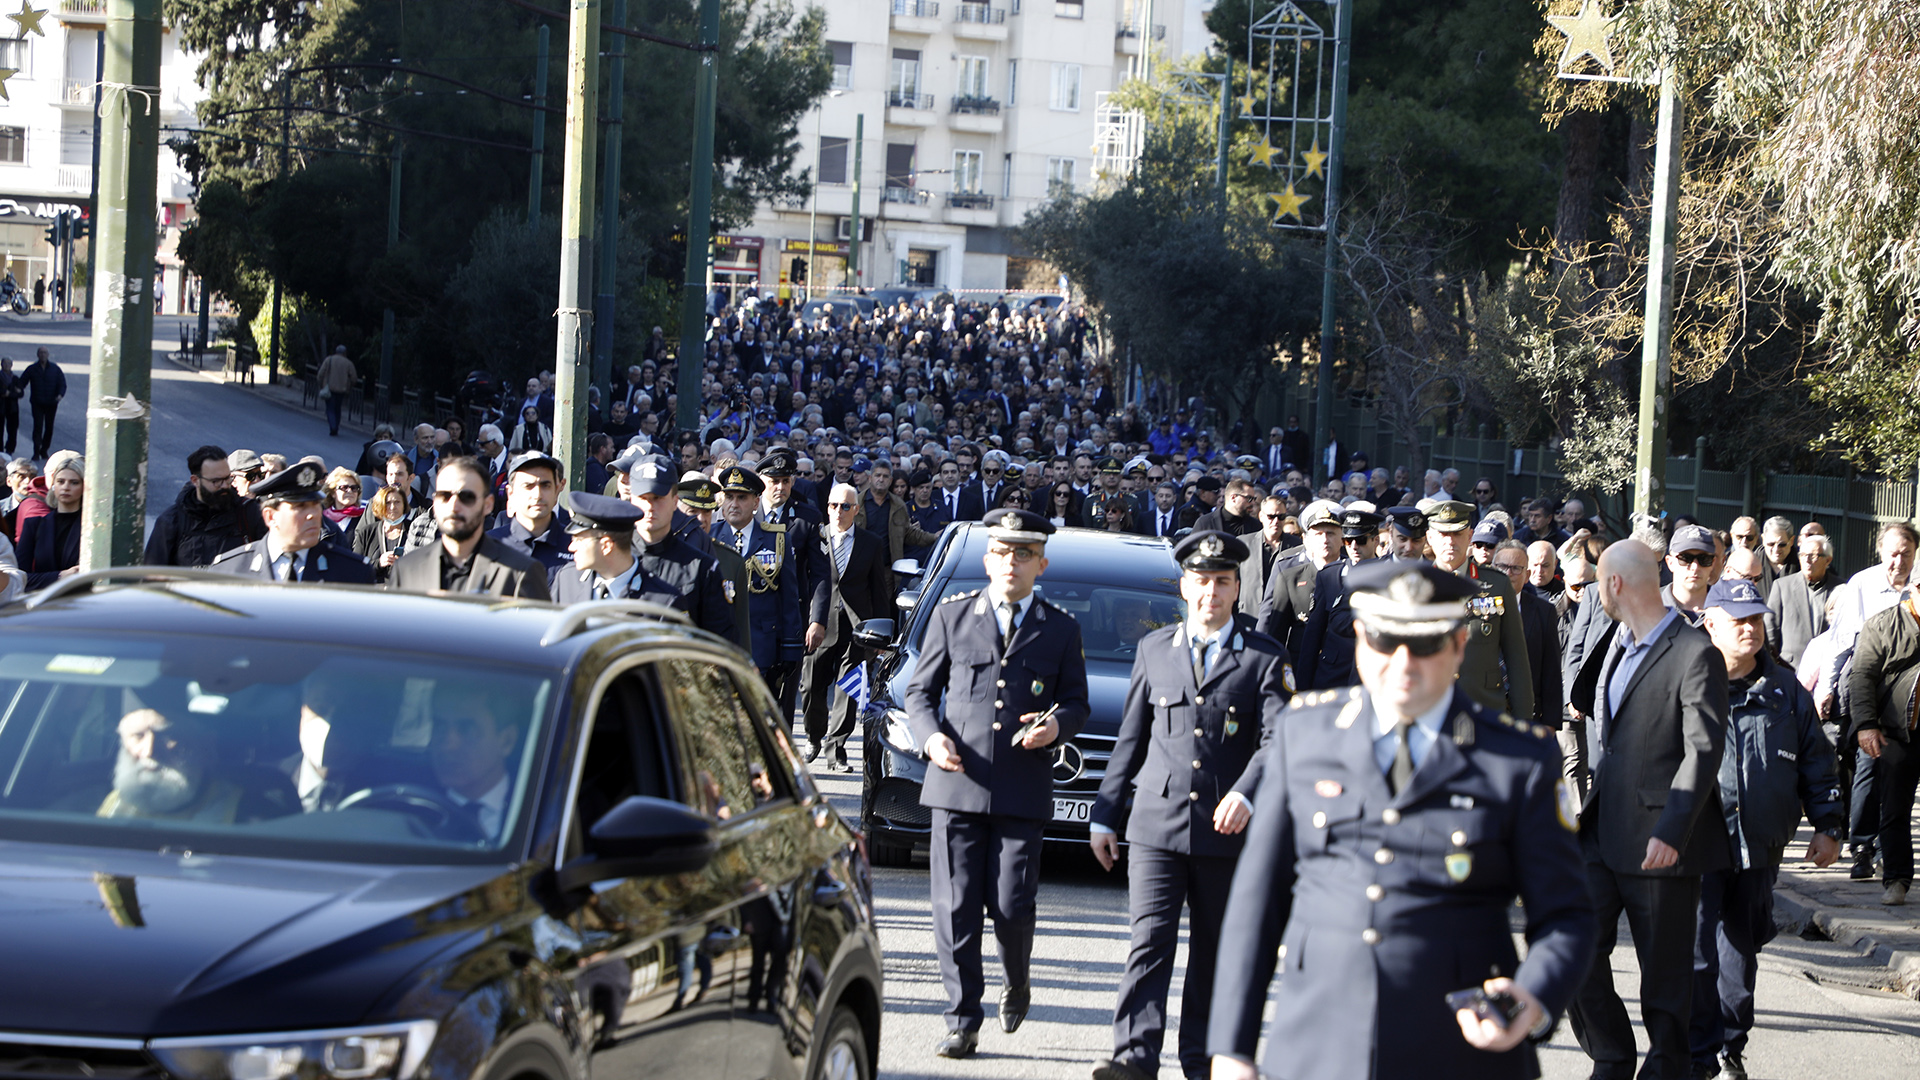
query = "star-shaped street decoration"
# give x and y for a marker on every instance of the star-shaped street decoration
(1316, 160)
(28, 19)
(1246, 104)
(1586, 35)
(5, 74)
(1287, 204)
(1261, 153)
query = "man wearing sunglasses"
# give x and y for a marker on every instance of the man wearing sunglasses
(467, 560)
(1001, 679)
(1691, 555)
(1494, 671)
(1326, 642)
(1393, 827)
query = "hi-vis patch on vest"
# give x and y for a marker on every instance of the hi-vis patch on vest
(1567, 803)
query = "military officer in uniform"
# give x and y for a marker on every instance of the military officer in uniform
(298, 546)
(672, 571)
(699, 502)
(1204, 698)
(1326, 641)
(804, 524)
(1010, 671)
(1289, 600)
(1496, 671)
(775, 605)
(1394, 825)
(1407, 536)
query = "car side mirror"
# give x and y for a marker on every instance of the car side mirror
(642, 837)
(907, 567)
(874, 634)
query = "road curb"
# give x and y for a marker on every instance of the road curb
(1863, 933)
(215, 377)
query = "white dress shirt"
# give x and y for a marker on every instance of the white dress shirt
(1425, 732)
(490, 807)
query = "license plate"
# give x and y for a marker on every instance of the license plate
(1077, 810)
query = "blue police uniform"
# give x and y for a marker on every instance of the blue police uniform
(1325, 647)
(328, 560)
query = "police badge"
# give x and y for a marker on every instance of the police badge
(1010, 521)
(1211, 547)
(1459, 865)
(727, 588)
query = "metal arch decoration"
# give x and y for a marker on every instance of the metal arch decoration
(1289, 100)
(1196, 87)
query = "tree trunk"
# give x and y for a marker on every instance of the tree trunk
(1580, 139)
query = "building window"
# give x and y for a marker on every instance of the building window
(1069, 9)
(842, 64)
(1013, 83)
(833, 160)
(1016, 7)
(905, 77)
(13, 146)
(13, 55)
(1066, 88)
(1006, 176)
(966, 172)
(1059, 176)
(973, 77)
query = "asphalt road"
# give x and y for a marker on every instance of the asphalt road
(1821, 1011)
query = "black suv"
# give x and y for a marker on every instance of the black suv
(297, 832)
(1118, 586)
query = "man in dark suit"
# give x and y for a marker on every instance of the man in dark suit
(466, 560)
(1799, 600)
(1299, 447)
(298, 545)
(1289, 598)
(1162, 517)
(1587, 631)
(1539, 623)
(983, 494)
(1326, 642)
(1001, 678)
(1204, 698)
(860, 587)
(1651, 824)
(1394, 825)
(1495, 670)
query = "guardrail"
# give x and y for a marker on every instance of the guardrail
(982, 14)
(980, 106)
(969, 200)
(906, 196)
(920, 9)
(901, 99)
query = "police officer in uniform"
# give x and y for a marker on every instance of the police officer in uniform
(699, 502)
(1326, 642)
(1394, 825)
(1012, 675)
(673, 572)
(775, 605)
(804, 524)
(298, 545)
(1407, 534)
(1204, 698)
(602, 565)
(1289, 600)
(1496, 671)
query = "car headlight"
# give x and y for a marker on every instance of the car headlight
(898, 734)
(386, 1052)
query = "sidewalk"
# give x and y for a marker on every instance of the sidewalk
(284, 394)
(1850, 913)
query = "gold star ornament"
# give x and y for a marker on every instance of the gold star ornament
(1586, 35)
(28, 19)
(1261, 153)
(1287, 204)
(5, 74)
(1246, 104)
(1316, 160)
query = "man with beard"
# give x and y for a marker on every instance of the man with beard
(165, 770)
(205, 521)
(466, 560)
(298, 545)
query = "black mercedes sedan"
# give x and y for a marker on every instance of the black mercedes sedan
(1117, 585)
(252, 831)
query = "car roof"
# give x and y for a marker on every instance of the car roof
(474, 628)
(1093, 556)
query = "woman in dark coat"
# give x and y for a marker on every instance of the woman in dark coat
(50, 545)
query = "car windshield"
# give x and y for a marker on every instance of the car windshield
(1112, 618)
(271, 748)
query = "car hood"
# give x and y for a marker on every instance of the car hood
(139, 944)
(1106, 691)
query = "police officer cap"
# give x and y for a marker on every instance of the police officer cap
(534, 458)
(650, 474)
(698, 491)
(1110, 465)
(1690, 538)
(602, 513)
(1015, 526)
(919, 477)
(1414, 599)
(1489, 532)
(1737, 597)
(299, 483)
(780, 462)
(1356, 523)
(740, 480)
(1450, 515)
(1407, 520)
(1320, 512)
(1210, 549)
(1208, 483)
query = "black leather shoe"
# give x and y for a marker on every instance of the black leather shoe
(957, 1044)
(1014, 1001)
(1732, 1067)
(813, 752)
(1109, 1069)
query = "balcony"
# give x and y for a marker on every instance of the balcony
(75, 178)
(980, 21)
(970, 208)
(976, 114)
(84, 11)
(76, 94)
(910, 109)
(1126, 38)
(906, 204)
(916, 17)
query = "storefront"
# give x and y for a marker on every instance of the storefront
(24, 250)
(736, 264)
(814, 266)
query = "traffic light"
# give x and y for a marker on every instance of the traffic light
(799, 274)
(82, 227)
(53, 232)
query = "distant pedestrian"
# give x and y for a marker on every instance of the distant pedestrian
(530, 433)
(336, 377)
(46, 385)
(12, 387)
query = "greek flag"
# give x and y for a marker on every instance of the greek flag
(854, 685)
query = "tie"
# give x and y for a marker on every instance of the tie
(1006, 640)
(291, 572)
(953, 504)
(842, 549)
(740, 542)
(1401, 774)
(1199, 661)
(600, 590)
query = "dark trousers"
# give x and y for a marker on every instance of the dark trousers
(1736, 919)
(1863, 802)
(1159, 883)
(1899, 774)
(333, 414)
(43, 427)
(1661, 913)
(982, 864)
(784, 681)
(9, 424)
(822, 694)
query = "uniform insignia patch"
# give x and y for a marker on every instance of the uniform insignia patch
(1286, 676)
(1010, 521)
(1233, 728)
(1460, 802)
(1211, 547)
(1567, 803)
(1459, 865)
(727, 588)
(1038, 688)
(1327, 789)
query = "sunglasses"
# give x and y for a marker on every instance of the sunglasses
(1418, 644)
(467, 498)
(1694, 558)
(843, 506)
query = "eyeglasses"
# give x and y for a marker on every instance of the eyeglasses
(348, 487)
(1017, 554)
(1387, 644)
(843, 506)
(217, 481)
(467, 498)
(1694, 558)
(1273, 517)
(1511, 568)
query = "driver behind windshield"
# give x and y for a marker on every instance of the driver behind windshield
(1132, 620)
(165, 770)
(469, 750)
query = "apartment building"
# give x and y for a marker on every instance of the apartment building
(969, 114)
(46, 134)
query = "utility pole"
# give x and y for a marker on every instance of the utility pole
(120, 380)
(1336, 142)
(93, 194)
(692, 365)
(610, 204)
(393, 237)
(537, 175)
(286, 123)
(574, 349)
(1656, 369)
(853, 236)
(1226, 116)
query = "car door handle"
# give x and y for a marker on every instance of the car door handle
(830, 894)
